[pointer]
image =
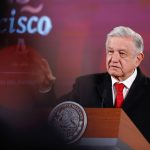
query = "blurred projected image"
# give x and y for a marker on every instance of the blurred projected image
(22, 70)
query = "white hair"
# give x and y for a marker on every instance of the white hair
(122, 31)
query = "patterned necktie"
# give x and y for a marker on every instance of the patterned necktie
(119, 94)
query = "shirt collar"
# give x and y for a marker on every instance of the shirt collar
(128, 82)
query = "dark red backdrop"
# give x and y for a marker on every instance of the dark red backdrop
(76, 43)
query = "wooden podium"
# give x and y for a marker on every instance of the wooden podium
(111, 129)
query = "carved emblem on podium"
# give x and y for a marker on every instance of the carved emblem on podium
(70, 120)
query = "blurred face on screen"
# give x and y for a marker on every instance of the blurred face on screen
(122, 57)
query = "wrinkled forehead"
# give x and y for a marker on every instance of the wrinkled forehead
(120, 40)
(121, 43)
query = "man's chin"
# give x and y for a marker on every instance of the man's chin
(114, 73)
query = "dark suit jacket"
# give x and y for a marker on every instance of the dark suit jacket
(95, 91)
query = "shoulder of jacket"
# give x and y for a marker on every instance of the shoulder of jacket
(94, 76)
(147, 80)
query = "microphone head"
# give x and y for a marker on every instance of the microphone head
(69, 119)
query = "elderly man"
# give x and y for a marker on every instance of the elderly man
(123, 85)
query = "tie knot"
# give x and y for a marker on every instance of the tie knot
(119, 87)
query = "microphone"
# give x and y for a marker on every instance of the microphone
(104, 93)
(103, 98)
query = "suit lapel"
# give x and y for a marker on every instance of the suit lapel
(135, 92)
(105, 91)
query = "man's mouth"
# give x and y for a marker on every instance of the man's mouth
(112, 66)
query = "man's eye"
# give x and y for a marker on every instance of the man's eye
(122, 54)
(110, 52)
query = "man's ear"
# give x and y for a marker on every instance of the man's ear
(140, 57)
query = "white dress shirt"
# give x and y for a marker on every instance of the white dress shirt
(128, 82)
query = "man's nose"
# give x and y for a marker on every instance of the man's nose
(115, 57)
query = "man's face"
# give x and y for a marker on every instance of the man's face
(122, 57)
